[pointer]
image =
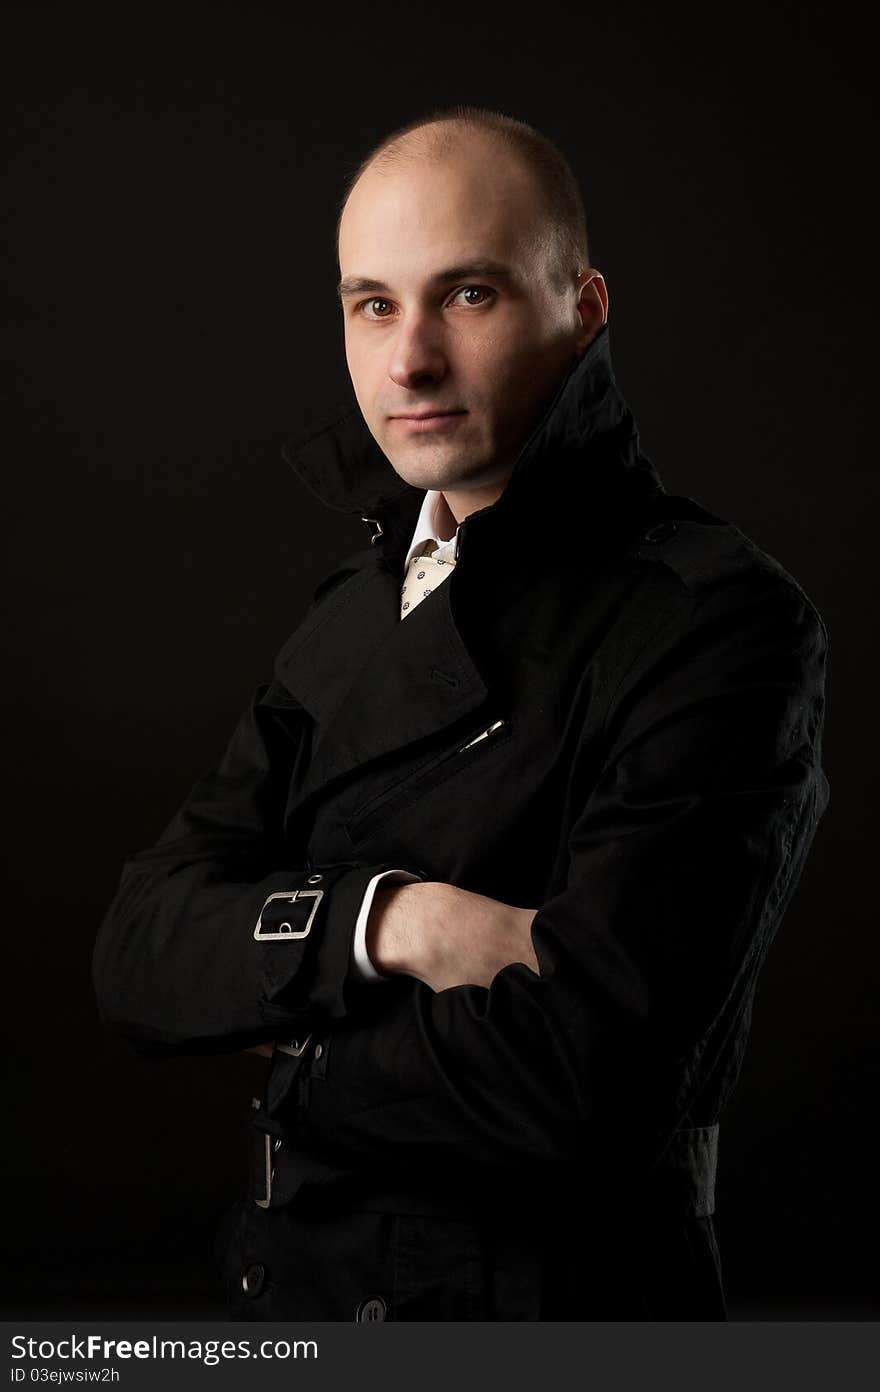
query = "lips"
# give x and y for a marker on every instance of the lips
(428, 424)
(426, 415)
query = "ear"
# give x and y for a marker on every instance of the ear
(592, 304)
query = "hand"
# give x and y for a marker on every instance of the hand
(266, 1049)
(446, 936)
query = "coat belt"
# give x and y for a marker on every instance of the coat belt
(682, 1183)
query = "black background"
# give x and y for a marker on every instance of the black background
(169, 269)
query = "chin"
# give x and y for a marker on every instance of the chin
(426, 472)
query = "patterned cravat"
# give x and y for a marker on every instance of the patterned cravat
(423, 574)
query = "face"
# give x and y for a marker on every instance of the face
(450, 314)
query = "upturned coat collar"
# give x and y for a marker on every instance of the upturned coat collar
(586, 442)
(352, 662)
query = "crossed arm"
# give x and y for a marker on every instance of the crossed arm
(444, 936)
(682, 858)
(178, 966)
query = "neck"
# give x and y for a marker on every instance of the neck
(462, 502)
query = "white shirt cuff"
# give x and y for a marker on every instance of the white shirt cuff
(362, 961)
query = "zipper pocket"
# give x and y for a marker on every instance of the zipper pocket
(389, 802)
(484, 734)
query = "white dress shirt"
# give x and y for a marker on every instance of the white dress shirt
(434, 535)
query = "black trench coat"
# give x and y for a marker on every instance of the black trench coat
(544, 1148)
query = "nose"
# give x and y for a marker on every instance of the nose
(417, 355)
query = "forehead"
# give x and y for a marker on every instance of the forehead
(427, 211)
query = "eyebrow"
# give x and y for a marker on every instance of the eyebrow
(358, 285)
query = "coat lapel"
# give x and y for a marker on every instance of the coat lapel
(372, 682)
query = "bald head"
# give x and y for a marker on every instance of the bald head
(466, 192)
(450, 132)
(438, 140)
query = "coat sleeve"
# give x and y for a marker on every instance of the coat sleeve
(687, 841)
(222, 935)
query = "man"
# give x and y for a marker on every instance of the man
(491, 864)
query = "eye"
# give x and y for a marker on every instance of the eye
(474, 289)
(375, 301)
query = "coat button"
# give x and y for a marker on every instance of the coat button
(661, 531)
(371, 1309)
(254, 1279)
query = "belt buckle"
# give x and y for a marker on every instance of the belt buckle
(262, 1171)
(262, 1146)
(294, 1048)
(287, 930)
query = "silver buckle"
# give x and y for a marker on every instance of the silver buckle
(287, 930)
(294, 1047)
(265, 1161)
(270, 1173)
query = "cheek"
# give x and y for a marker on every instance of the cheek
(511, 373)
(497, 368)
